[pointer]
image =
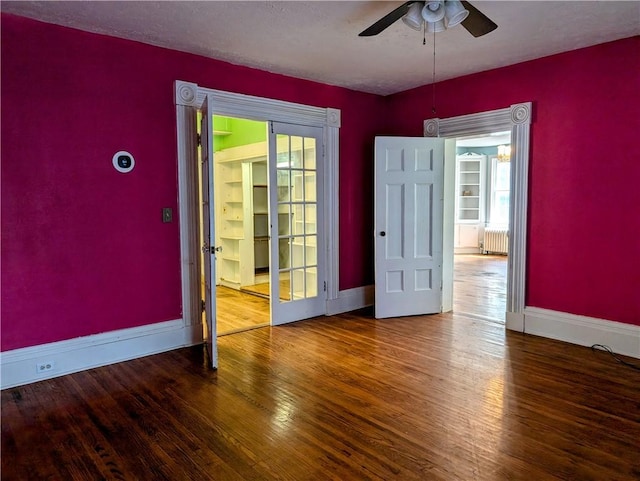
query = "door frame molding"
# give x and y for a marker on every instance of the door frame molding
(188, 97)
(517, 118)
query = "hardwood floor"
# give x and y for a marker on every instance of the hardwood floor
(347, 397)
(442, 397)
(263, 289)
(480, 285)
(238, 311)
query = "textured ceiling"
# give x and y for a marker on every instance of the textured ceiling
(319, 40)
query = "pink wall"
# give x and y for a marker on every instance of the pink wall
(84, 250)
(584, 203)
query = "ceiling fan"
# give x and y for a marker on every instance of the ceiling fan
(435, 16)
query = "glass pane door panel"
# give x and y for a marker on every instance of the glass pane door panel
(284, 219)
(311, 282)
(285, 254)
(297, 251)
(310, 211)
(285, 286)
(298, 284)
(296, 146)
(309, 153)
(284, 185)
(311, 257)
(297, 216)
(310, 186)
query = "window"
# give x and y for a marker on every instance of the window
(499, 201)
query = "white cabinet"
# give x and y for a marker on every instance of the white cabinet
(470, 193)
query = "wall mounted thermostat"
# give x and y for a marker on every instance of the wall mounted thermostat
(123, 162)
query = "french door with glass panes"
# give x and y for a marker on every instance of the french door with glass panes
(296, 208)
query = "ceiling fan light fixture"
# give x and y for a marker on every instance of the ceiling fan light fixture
(413, 17)
(433, 11)
(435, 27)
(455, 13)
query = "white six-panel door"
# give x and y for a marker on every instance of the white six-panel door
(409, 178)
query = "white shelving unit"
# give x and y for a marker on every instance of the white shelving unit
(260, 202)
(470, 202)
(229, 219)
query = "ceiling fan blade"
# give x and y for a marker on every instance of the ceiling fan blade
(386, 21)
(477, 23)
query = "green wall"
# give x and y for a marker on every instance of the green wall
(237, 132)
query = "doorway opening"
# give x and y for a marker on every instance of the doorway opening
(481, 225)
(265, 186)
(241, 224)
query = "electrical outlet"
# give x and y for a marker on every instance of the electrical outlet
(45, 366)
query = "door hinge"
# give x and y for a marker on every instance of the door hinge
(325, 286)
(203, 305)
(199, 139)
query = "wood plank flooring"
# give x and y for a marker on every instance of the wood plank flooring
(480, 286)
(237, 311)
(263, 289)
(444, 397)
(348, 397)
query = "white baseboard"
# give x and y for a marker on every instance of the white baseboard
(585, 331)
(20, 366)
(351, 300)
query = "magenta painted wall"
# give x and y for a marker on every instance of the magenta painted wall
(584, 203)
(84, 250)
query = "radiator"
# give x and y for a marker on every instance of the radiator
(496, 240)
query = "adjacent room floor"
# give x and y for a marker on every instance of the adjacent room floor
(480, 284)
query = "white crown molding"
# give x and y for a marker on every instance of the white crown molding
(582, 330)
(18, 366)
(259, 108)
(475, 124)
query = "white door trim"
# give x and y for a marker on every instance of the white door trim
(188, 98)
(516, 118)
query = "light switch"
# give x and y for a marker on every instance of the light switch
(167, 214)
